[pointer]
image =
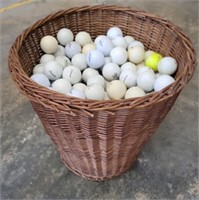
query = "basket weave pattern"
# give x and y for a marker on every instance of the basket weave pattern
(101, 139)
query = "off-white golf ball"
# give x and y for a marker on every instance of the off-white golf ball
(79, 86)
(62, 85)
(88, 47)
(79, 60)
(38, 69)
(134, 92)
(49, 44)
(136, 54)
(95, 92)
(88, 72)
(46, 58)
(111, 71)
(114, 32)
(129, 77)
(53, 70)
(135, 43)
(64, 36)
(95, 59)
(41, 79)
(83, 38)
(72, 48)
(167, 65)
(163, 81)
(129, 39)
(118, 55)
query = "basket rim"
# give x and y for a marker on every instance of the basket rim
(69, 104)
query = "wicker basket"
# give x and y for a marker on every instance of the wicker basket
(99, 140)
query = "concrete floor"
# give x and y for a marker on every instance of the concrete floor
(31, 168)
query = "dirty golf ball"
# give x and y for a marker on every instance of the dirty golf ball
(72, 74)
(167, 65)
(116, 89)
(41, 79)
(114, 32)
(72, 48)
(146, 80)
(153, 60)
(95, 59)
(61, 85)
(83, 38)
(94, 92)
(46, 58)
(96, 79)
(88, 73)
(76, 93)
(111, 71)
(79, 60)
(163, 81)
(64, 36)
(136, 54)
(63, 61)
(49, 44)
(53, 70)
(129, 77)
(38, 69)
(134, 92)
(118, 55)
(105, 45)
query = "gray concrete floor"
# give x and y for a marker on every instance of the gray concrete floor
(31, 168)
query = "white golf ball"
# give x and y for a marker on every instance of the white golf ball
(60, 51)
(88, 47)
(49, 44)
(118, 55)
(95, 59)
(79, 86)
(163, 81)
(99, 37)
(72, 74)
(79, 60)
(96, 79)
(41, 79)
(120, 41)
(72, 48)
(129, 77)
(146, 80)
(116, 89)
(134, 92)
(46, 58)
(111, 71)
(105, 45)
(167, 65)
(114, 32)
(38, 69)
(76, 93)
(62, 85)
(128, 65)
(63, 61)
(95, 92)
(136, 54)
(64, 36)
(53, 70)
(83, 38)
(135, 43)
(88, 72)
(129, 39)
(144, 69)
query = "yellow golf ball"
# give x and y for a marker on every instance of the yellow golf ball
(153, 60)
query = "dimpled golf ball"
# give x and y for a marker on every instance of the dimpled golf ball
(118, 55)
(135, 43)
(146, 80)
(105, 45)
(114, 32)
(79, 86)
(62, 85)
(60, 51)
(83, 38)
(116, 89)
(96, 79)
(136, 54)
(120, 41)
(63, 61)
(128, 65)
(46, 58)
(76, 93)
(64, 36)
(72, 74)
(163, 81)
(79, 60)
(38, 69)
(49, 44)
(88, 72)
(41, 79)
(134, 92)
(95, 59)
(111, 71)
(153, 60)
(53, 70)
(88, 47)
(129, 39)
(72, 48)
(167, 65)
(128, 77)
(95, 92)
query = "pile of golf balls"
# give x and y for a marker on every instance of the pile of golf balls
(111, 66)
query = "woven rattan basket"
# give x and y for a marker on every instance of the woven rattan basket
(99, 140)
